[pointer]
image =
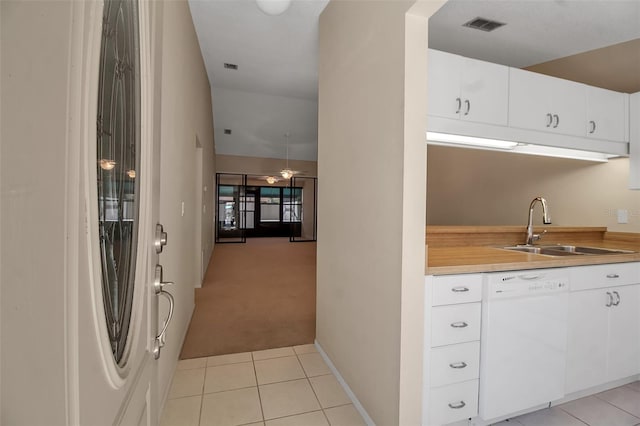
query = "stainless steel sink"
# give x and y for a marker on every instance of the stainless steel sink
(566, 250)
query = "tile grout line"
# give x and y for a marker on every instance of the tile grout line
(570, 414)
(314, 392)
(202, 395)
(614, 405)
(255, 372)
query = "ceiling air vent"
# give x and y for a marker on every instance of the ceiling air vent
(483, 24)
(230, 66)
(227, 131)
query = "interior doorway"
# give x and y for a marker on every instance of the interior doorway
(248, 207)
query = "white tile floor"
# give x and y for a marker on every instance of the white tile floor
(616, 407)
(278, 387)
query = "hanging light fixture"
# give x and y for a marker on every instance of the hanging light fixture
(273, 7)
(271, 180)
(131, 173)
(287, 173)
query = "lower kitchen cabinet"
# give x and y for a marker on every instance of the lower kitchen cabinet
(604, 336)
(453, 315)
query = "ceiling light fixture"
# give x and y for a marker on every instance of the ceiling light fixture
(271, 180)
(273, 7)
(287, 173)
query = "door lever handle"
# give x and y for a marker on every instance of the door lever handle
(158, 284)
(159, 341)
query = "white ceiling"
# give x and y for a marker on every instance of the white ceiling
(275, 89)
(536, 31)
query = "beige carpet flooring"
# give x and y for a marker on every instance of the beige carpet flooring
(255, 296)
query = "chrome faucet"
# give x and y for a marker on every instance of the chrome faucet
(531, 237)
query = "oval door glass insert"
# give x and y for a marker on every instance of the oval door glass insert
(118, 166)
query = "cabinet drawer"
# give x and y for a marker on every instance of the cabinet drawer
(454, 402)
(455, 324)
(601, 276)
(455, 363)
(450, 289)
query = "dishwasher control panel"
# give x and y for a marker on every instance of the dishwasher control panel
(526, 283)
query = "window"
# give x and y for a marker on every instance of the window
(270, 204)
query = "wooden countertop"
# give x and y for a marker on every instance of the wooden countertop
(460, 259)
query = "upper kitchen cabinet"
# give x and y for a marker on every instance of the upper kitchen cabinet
(549, 104)
(607, 113)
(467, 89)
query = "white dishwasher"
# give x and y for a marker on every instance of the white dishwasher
(523, 340)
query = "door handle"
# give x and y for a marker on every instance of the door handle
(459, 324)
(557, 118)
(159, 341)
(459, 102)
(609, 300)
(468, 105)
(160, 239)
(550, 119)
(593, 127)
(158, 287)
(459, 289)
(158, 284)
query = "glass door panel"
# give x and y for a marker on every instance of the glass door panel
(231, 208)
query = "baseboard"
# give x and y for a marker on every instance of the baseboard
(345, 386)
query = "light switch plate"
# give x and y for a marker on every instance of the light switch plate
(623, 216)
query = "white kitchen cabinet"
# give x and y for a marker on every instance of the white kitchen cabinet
(467, 89)
(604, 329)
(607, 113)
(452, 345)
(543, 103)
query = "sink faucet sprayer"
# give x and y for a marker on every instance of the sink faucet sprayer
(531, 237)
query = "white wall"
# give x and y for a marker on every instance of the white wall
(372, 110)
(186, 117)
(35, 55)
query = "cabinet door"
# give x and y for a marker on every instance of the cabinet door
(529, 100)
(624, 332)
(484, 92)
(443, 92)
(587, 339)
(606, 114)
(568, 106)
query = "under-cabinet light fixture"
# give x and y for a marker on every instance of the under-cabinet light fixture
(470, 140)
(462, 141)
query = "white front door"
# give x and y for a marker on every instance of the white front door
(115, 333)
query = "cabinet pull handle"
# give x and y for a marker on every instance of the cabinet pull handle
(617, 301)
(609, 300)
(459, 289)
(613, 276)
(459, 324)
(593, 127)
(458, 365)
(550, 118)
(459, 102)
(557, 118)
(457, 405)
(468, 104)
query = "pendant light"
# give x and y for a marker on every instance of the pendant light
(287, 173)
